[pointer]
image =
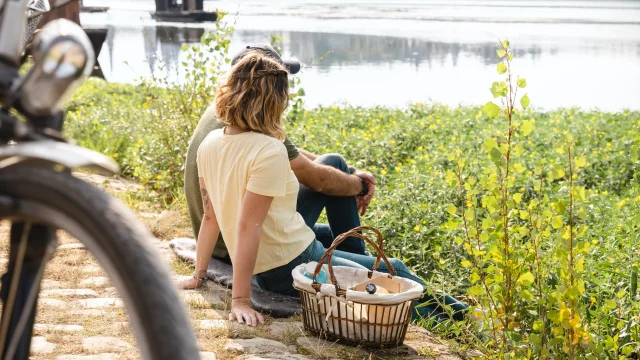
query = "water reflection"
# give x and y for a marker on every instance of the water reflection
(413, 67)
(163, 46)
(351, 49)
(355, 49)
(334, 49)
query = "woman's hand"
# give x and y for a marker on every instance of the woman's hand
(243, 313)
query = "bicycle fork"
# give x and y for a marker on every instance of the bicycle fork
(31, 246)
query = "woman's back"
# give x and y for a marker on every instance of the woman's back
(232, 164)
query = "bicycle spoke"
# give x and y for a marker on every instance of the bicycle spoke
(17, 269)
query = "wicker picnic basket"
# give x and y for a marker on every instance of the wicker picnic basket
(338, 312)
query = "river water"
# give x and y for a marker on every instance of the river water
(573, 53)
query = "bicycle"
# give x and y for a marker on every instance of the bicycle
(39, 194)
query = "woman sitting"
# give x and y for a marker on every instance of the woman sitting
(249, 194)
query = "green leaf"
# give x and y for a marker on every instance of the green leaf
(452, 224)
(558, 172)
(469, 215)
(538, 325)
(502, 68)
(525, 279)
(499, 89)
(510, 56)
(517, 197)
(451, 209)
(519, 168)
(501, 53)
(522, 83)
(492, 110)
(527, 127)
(561, 207)
(474, 278)
(524, 101)
(634, 282)
(526, 295)
(185, 47)
(557, 222)
(496, 156)
(474, 290)
(505, 43)
(490, 143)
(582, 214)
(635, 152)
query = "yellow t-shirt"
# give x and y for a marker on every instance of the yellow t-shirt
(233, 164)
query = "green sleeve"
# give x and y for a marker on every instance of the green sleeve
(292, 150)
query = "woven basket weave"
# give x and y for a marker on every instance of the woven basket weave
(353, 322)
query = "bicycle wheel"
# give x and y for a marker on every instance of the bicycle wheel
(122, 246)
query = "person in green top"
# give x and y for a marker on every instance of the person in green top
(327, 182)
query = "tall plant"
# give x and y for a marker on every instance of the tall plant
(524, 254)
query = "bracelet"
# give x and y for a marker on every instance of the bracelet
(199, 274)
(240, 297)
(365, 188)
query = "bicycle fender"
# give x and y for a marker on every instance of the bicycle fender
(57, 153)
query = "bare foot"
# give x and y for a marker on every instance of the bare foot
(190, 283)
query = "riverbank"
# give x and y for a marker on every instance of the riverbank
(410, 152)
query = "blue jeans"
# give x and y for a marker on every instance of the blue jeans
(342, 211)
(280, 280)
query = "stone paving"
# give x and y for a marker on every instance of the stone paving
(91, 303)
(82, 312)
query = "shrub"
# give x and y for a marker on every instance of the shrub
(525, 231)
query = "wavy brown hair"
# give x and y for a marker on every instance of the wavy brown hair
(254, 95)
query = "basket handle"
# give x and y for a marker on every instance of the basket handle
(338, 240)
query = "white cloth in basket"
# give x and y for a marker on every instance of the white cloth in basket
(359, 316)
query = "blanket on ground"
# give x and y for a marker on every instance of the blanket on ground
(277, 305)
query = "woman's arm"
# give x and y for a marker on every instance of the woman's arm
(209, 232)
(254, 211)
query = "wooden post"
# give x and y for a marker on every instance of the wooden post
(69, 11)
(161, 5)
(189, 5)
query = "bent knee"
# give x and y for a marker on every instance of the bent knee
(333, 160)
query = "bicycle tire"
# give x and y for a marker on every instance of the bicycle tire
(121, 245)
